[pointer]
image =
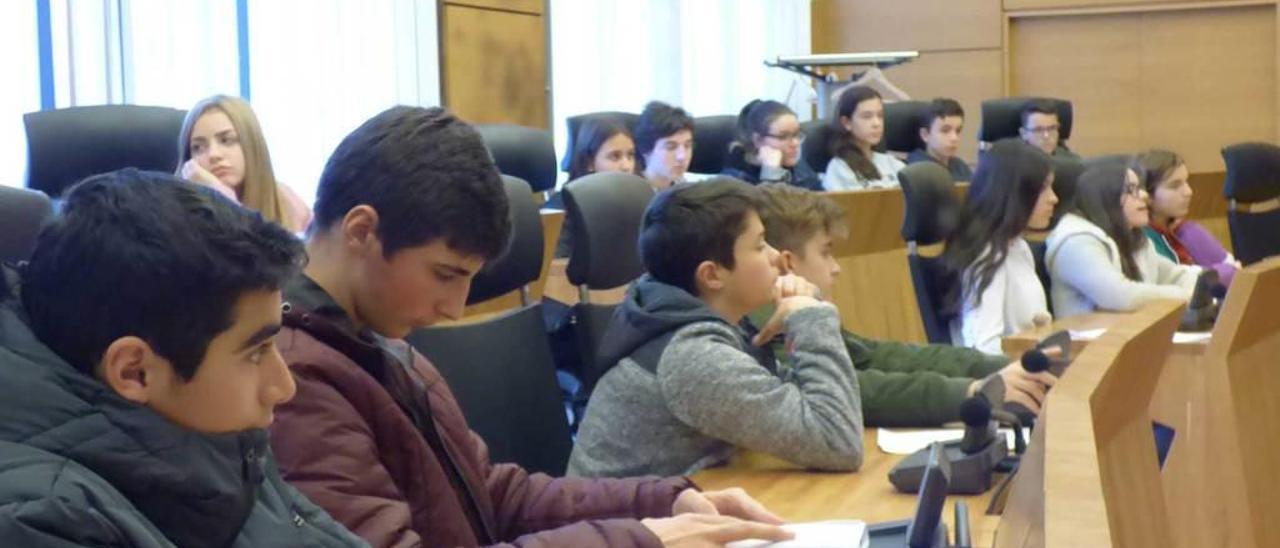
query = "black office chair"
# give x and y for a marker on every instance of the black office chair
(500, 369)
(1253, 192)
(817, 139)
(902, 125)
(524, 152)
(67, 145)
(22, 213)
(1002, 118)
(712, 136)
(606, 210)
(572, 124)
(932, 212)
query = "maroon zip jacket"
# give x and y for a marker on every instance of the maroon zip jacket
(385, 450)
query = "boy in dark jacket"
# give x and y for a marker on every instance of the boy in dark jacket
(408, 209)
(902, 384)
(139, 367)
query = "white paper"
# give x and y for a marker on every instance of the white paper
(1086, 334)
(1189, 337)
(849, 533)
(909, 440)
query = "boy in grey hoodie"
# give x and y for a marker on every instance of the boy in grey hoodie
(689, 385)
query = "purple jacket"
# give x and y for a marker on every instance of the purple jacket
(1206, 251)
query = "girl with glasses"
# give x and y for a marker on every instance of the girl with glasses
(767, 148)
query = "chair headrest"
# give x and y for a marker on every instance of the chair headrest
(67, 145)
(1066, 174)
(524, 152)
(814, 150)
(901, 125)
(1003, 117)
(1253, 172)
(22, 213)
(712, 136)
(521, 263)
(606, 210)
(932, 210)
(572, 124)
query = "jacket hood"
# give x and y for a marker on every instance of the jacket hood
(651, 310)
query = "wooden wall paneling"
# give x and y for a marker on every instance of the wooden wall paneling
(495, 65)
(841, 26)
(1092, 60)
(1125, 5)
(1208, 80)
(531, 7)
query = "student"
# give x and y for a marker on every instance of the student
(901, 384)
(999, 293)
(689, 386)
(1041, 128)
(409, 207)
(140, 373)
(940, 135)
(601, 146)
(664, 139)
(1097, 255)
(857, 126)
(767, 148)
(221, 146)
(1174, 236)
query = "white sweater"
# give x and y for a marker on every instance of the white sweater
(839, 176)
(1014, 301)
(1084, 267)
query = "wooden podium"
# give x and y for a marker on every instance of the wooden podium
(1092, 473)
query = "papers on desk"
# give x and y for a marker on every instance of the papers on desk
(850, 533)
(906, 441)
(1181, 337)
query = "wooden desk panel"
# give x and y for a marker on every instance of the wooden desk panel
(801, 495)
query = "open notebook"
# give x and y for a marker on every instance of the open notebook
(818, 534)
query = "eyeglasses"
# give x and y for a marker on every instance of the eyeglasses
(1133, 189)
(797, 137)
(1043, 130)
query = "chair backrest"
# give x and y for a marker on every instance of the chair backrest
(1003, 117)
(1253, 191)
(524, 152)
(712, 136)
(1066, 174)
(814, 150)
(67, 145)
(932, 212)
(22, 213)
(521, 263)
(902, 121)
(572, 124)
(604, 211)
(503, 376)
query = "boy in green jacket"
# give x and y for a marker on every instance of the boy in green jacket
(901, 384)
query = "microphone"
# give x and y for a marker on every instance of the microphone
(1202, 308)
(1033, 361)
(979, 430)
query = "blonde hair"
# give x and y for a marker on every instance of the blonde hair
(792, 216)
(259, 191)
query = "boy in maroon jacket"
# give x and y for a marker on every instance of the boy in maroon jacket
(408, 209)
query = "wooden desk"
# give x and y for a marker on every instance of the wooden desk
(800, 495)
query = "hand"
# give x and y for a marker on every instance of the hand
(769, 156)
(707, 531)
(196, 173)
(1027, 389)
(733, 502)
(790, 293)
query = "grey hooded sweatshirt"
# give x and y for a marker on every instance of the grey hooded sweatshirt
(688, 388)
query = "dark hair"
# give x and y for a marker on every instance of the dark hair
(427, 174)
(658, 120)
(1010, 177)
(592, 135)
(842, 145)
(755, 119)
(1037, 106)
(144, 254)
(1157, 165)
(692, 223)
(940, 107)
(1098, 195)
